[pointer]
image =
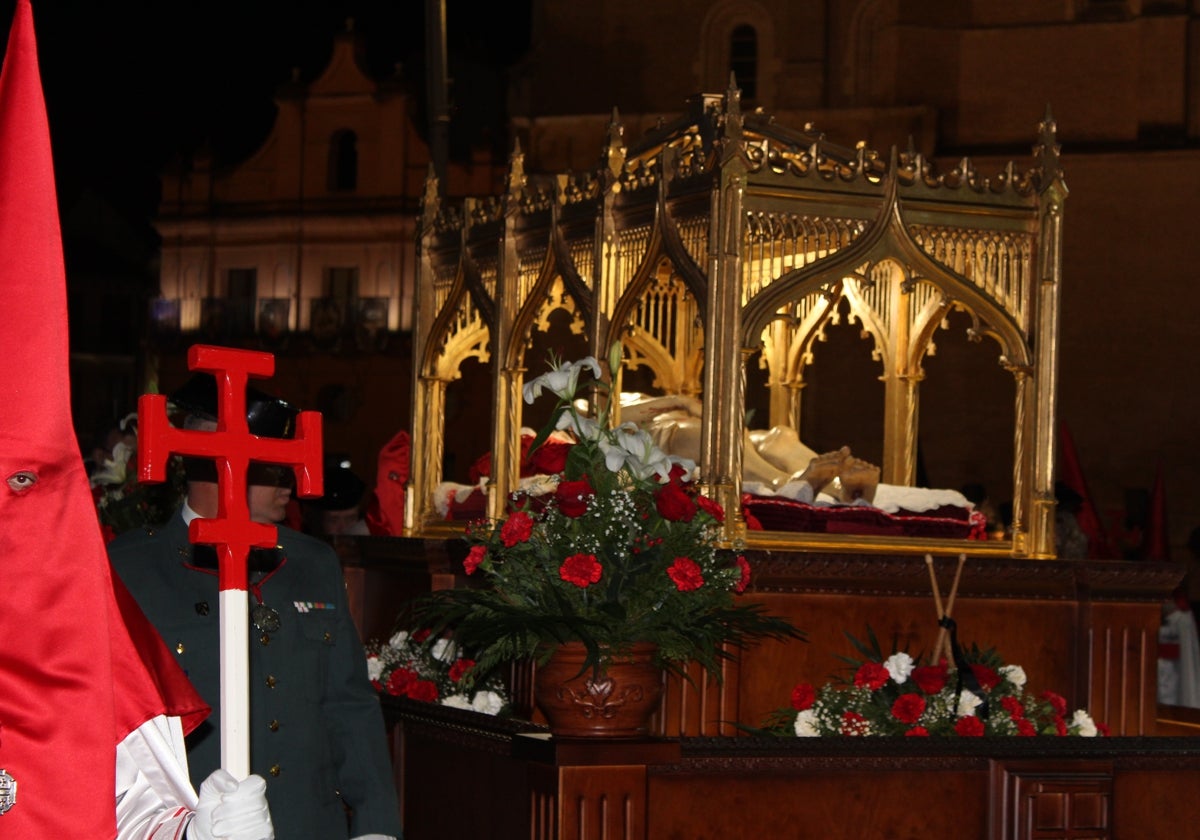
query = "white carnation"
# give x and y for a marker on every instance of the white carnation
(1082, 721)
(399, 641)
(967, 703)
(899, 666)
(444, 650)
(806, 724)
(374, 668)
(1015, 674)
(488, 702)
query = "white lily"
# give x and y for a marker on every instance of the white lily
(562, 381)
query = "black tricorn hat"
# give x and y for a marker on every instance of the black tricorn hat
(266, 416)
(343, 489)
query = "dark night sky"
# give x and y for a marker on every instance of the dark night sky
(131, 85)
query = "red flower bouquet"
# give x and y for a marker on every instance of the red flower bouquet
(894, 696)
(621, 551)
(432, 670)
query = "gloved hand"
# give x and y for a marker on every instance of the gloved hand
(232, 810)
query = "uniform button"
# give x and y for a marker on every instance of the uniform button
(271, 681)
(276, 769)
(179, 647)
(265, 639)
(328, 637)
(273, 726)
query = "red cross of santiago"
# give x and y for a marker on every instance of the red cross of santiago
(232, 447)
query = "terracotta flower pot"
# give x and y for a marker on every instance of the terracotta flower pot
(616, 700)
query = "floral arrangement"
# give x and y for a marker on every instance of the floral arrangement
(618, 548)
(432, 670)
(897, 696)
(123, 503)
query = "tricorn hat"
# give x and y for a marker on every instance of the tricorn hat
(343, 488)
(266, 416)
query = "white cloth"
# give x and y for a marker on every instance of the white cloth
(890, 498)
(154, 797)
(1179, 678)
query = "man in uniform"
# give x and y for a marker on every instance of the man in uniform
(316, 728)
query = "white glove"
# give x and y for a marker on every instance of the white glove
(229, 810)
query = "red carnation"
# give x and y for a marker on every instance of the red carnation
(686, 574)
(855, 724)
(917, 732)
(572, 497)
(1060, 725)
(581, 569)
(1056, 701)
(421, 635)
(459, 668)
(400, 682)
(987, 678)
(1014, 707)
(475, 556)
(674, 503)
(711, 508)
(872, 675)
(423, 690)
(1025, 728)
(744, 567)
(516, 529)
(908, 708)
(930, 678)
(803, 696)
(969, 727)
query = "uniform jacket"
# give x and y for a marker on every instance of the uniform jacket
(315, 721)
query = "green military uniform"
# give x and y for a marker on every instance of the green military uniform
(316, 729)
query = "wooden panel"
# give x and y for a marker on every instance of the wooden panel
(1157, 804)
(1050, 800)
(383, 574)
(1123, 656)
(835, 804)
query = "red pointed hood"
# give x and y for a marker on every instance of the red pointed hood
(35, 410)
(73, 682)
